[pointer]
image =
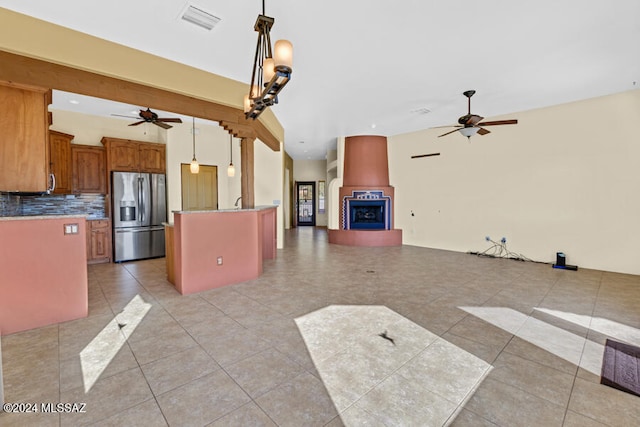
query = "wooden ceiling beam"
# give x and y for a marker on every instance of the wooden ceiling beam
(239, 130)
(22, 69)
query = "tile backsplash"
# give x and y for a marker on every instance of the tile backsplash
(9, 205)
(91, 205)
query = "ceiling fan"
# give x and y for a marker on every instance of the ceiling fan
(149, 116)
(470, 124)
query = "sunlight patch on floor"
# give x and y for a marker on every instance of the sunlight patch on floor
(613, 329)
(378, 366)
(97, 355)
(574, 348)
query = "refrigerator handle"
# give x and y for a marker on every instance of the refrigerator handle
(140, 201)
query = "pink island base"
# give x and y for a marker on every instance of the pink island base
(218, 248)
(43, 276)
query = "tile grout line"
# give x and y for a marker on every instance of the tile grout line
(575, 378)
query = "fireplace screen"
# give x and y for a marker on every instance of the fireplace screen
(367, 215)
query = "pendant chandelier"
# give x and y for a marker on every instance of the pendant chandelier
(271, 69)
(231, 170)
(195, 166)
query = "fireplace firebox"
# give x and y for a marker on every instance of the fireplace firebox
(367, 215)
(367, 210)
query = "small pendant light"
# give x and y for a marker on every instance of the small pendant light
(195, 167)
(231, 170)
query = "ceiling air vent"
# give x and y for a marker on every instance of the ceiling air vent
(200, 18)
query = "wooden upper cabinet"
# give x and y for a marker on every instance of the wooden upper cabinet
(60, 161)
(24, 137)
(152, 157)
(89, 173)
(123, 155)
(126, 155)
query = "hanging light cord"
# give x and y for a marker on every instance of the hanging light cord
(193, 133)
(231, 147)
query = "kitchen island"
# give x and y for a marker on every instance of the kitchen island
(43, 265)
(214, 248)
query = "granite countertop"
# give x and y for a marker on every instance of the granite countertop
(257, 208)
(40, 217)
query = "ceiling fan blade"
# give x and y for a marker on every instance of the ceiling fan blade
(128, 117)
(162, 125)
(483, 131)
(455, 130)
(138, 123)
(474, 119)
(445, 126)
(499, 122)
(417, 156)
(170, 120)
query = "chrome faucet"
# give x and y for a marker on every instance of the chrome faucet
(237, 200)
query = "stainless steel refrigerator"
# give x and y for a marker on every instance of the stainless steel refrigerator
(139, 209)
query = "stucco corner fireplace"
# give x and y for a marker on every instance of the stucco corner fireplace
(366, 198)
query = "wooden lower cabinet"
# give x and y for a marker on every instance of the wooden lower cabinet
(98, 241)
(169, 254)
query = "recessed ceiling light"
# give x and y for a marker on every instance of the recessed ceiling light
(74, 101)
(422, 110)
(373, 126)
(301, 142)
(199, 17)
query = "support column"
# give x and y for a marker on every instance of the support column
(246, 167)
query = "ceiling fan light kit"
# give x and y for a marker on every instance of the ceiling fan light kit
(469, 131)
(271, 69)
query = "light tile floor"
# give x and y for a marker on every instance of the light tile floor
(237, 356)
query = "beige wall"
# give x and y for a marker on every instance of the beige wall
(336, 168)
(313, 170)
(212, 148)
(89, 130)
(566, 178)
(269, 176)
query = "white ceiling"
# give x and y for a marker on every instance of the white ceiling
(366, 66)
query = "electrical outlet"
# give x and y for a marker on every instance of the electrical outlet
(71, 229)
(219, 260)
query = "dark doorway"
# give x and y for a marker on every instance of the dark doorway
(306, 212)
